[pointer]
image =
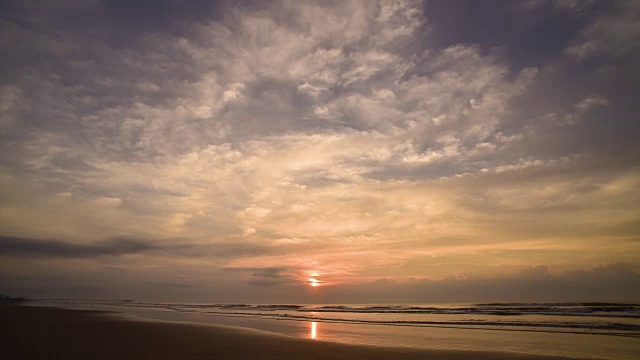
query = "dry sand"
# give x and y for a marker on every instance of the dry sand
(46, 333)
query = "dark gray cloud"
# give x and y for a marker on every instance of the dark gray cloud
(116, 21)
(268, 276)
(25, 247)
(528, 32)
(13, 246)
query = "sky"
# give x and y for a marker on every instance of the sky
(330, 151)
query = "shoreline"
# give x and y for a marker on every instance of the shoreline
(30, 332)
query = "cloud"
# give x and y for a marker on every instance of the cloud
(616, 34)
(581, 109)
(349, 107)
(344, 138)
(12, 246)
(25, 247)
(268, 276)
(590, 102)
(573, 7)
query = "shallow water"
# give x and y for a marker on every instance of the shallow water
(599, 331)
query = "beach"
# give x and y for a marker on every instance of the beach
(53, 333)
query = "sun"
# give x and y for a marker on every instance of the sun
(314, 282)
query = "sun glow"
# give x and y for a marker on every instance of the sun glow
(314, 282)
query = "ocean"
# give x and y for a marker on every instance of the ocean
(581, 330)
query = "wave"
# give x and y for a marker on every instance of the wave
(561, 304)
(597, 318)
(600, 310)
(618, 329)
(606, 310)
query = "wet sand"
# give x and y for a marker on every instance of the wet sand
(51, 333)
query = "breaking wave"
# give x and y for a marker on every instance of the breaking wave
(593, 318)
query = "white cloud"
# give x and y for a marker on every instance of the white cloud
(581, 109)
(590, 102)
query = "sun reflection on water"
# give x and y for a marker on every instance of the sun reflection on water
(313, 334)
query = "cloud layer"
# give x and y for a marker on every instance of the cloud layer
(351, 141)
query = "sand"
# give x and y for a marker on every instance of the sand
(51, 333)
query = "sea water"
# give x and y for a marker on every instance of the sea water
(581, 330)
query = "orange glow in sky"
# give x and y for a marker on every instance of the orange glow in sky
(314, 282)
